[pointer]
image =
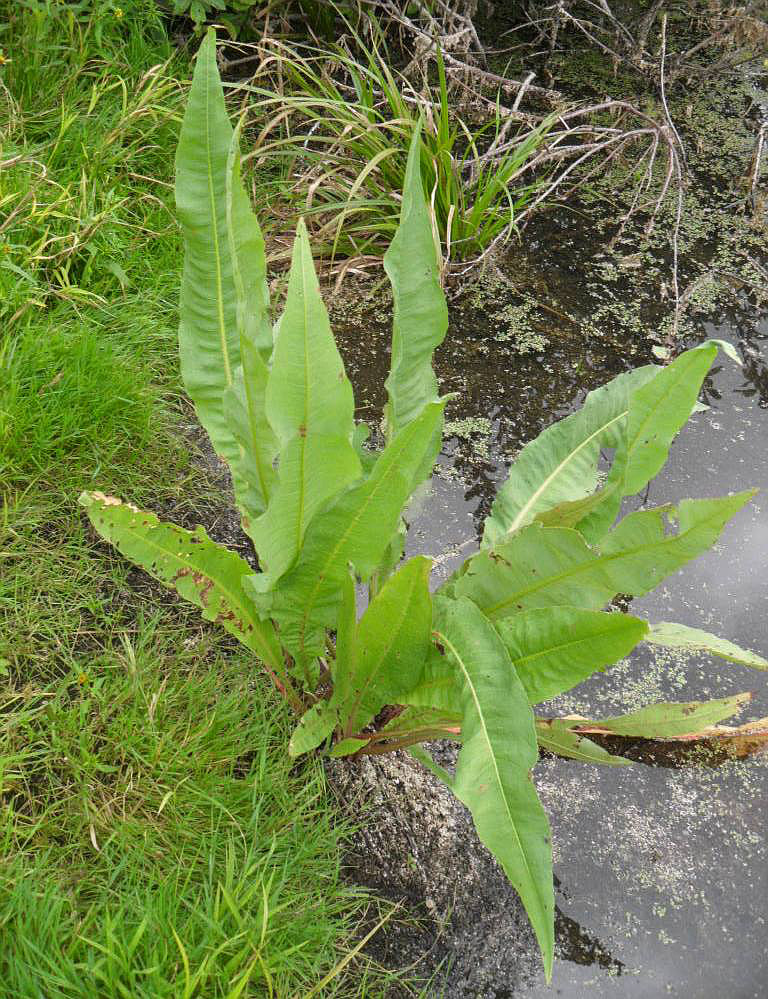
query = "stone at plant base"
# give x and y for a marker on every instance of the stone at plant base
(417, 844)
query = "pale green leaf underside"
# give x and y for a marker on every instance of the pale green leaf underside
(680, 636)
(208, 336)
(498, 751)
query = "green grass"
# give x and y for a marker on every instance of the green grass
(339, 135)
(156, 840)
(159, 843)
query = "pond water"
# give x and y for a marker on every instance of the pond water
(661, 873)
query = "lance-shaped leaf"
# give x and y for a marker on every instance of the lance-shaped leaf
(391, 645)
(497, 754)
(667, 720)
(314, 727)
(310, 407)
(547, 566)
(208, 575)
(253, 474)
(658, 409)
(343, 666)
(356, 528)
(420, 313)
(554, 648)
(347, 747)
(556, 737)
(208, 336)
(560, 465)
(679, 636)
(440, 686)
(321, 719)
(657, 412)
(424, 723)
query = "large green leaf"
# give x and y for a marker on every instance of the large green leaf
(392, 643)
(680, 636)
(556, 737)
(548, 566)
(356, 528)
(208, 335)
(560, 465)
(497, 754)
(440, 686)
(657, 411)
(420, 313)
(667, 720)
(310, 407)
(314, 727)
(253, 475)
(554, 648)
(208, 575)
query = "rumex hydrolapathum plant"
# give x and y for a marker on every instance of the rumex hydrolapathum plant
(522, 621)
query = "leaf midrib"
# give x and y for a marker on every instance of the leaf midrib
(215, 230)
(601, 559)
(233, 601)
(553, 649)
(523, 512)
(352, 524)
(487, 739)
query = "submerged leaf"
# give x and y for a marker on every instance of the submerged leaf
(680, 636)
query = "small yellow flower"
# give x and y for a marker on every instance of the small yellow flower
(82, 679)
(3, 58)
(118, 12)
